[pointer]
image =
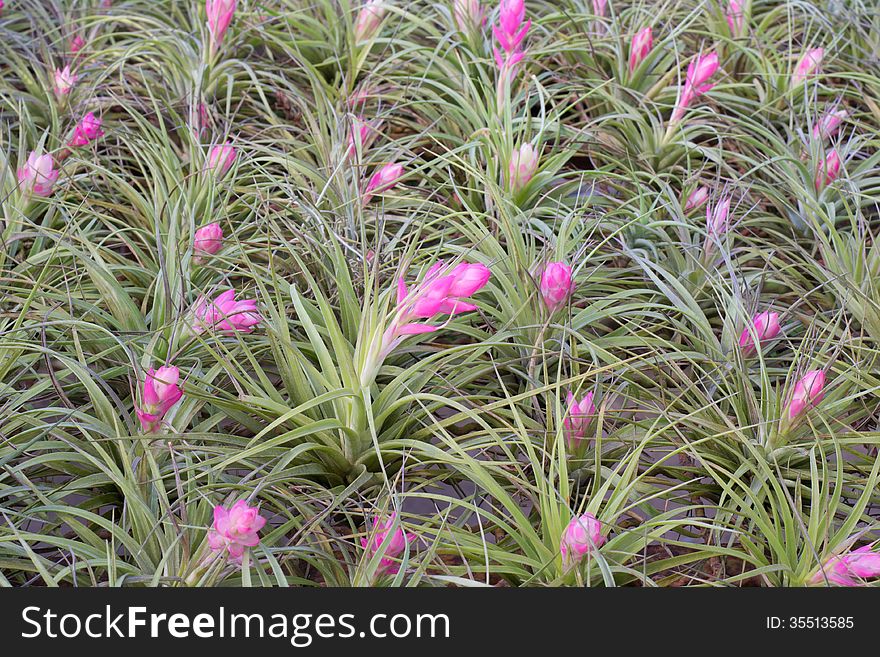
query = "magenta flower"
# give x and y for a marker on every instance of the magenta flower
(220, 13)
(208, 239)
(697, 197)
(38, 175)
(765, 326)
(221, 158)
(225, 315)
(440, 292)
(698, 73)
(718, 217)
(88, 129)
(828, 169)
(556, 286)
(235, 529)
(808, 65)
(641, 45)
(383, 179)
(599, 7)
(77, 43)
(582, 535)
(381, 526)
(808, 392)
(577, 418)
(849, 569)
(65, 79)
(510, 32)
(363, 133)
(522, 166)
(735, 17)
(828, 125)
(160, 393)
(369, 19)
(469, 15)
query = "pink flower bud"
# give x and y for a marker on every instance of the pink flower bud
(556, 286)
(369, 20)
(225, 315)
(765, 326)
(160, 393)
(849, 569)
(383, 179)
(735, 17)
(86, 130)
(208, 239)
(220, 13)
(808, 65)
(511, 30)
(577, 418)
(523, 165)
(697, 197)
(64, 81)
(363, 133)
(717, 218)
(235, 529)
(828, 169)
(38, 175)
(696, 83)
(828, 125)
(77, 43)
(220, 159)
(641, 45)
(468, 14)
(582, 536)
(378, 533)
(808, 392)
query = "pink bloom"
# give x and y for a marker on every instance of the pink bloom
(849, 569)
(220, 13)
(106, 4)
(64, 81)
(235, 529)
(440, 292)
(808, 392)
(86, 130)
(556, 286)
(76, 44)
(38, 175)
(697, 197)
(717, 218)
(599, 7)
(383, 179)
(828, 169)
(735, 17)
(160, 393)
(369, 20)
(698, 73)
(522, 166)
(469, 15)
(208, 239)
(363, 133)
(226, 315)
(220, 159)
(641, 45)
(765, 325)
(828, 125)
(510, 33)
(381, 526)
(578, 418)
(808, 65)
(582, 536)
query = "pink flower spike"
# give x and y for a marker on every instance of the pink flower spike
(221, 158)
(599, 7)
(369, 20)
(641, 45)
(64, 81)
(38, 175)
(828, 125)
(208, 239)
(696, 83)
(577, 418)
(735, 17)
(235, 529)
(225, 315)
(381, 527)
(220, 13)
(697, 197)
(383, 179)
(77, 43)
(717, 218)
(808, 392)
(850, 568)
(582, 535)
(87, 130)
(511, 31)
(828, 169)
(160, 393)
(765, 326)
(808, 65)
(522, 166)
(469, 15)
(556, 286)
